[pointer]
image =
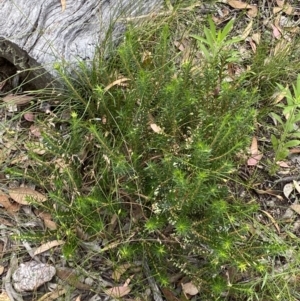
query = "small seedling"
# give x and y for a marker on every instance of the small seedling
(217, 42)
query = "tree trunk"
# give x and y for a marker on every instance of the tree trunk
(35, 33)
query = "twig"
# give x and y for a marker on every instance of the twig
(288, 179)
(8, 285)
(155, 290)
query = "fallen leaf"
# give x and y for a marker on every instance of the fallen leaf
(253, 45)
(10, 207)
(276, 32)
(288, 189)
(296, 185)
(179, 45)
(296, 208)
(288, 9)
(29, 116)
(35, 131)
(157, 129)
(280, 3)
(252, 9)
(278, 96)
(119, 291)
(1, 271)
(120, 270)
(255, 154)
(282, 164)
(118, 82)
(276, 10)
(269, 192)
(247, 30)
(71, 278)
(190, 289)
(169, 295)
(17, 99)
(59, 291)
(22, 194)
(294, 151)
(47, 246)
(256, 38)
(51, 225)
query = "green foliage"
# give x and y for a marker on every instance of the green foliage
(216, 45)
(163, 142)
(288, 134)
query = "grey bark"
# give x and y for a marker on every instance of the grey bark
(35, 33)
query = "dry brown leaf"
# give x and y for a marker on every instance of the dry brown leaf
(294, 151)
(276, 10)
(63, 5)
(35, 131)
(253, 45)
(282, 164)
(29, 116)
(22, 195)
(296, 185)
(288, 189)
(247, 30)
(269, 192)
(157, 129)
(276, 32)
(169, 295)
(71, 278)
(296, 208)
(179, 45)
(252, 13)
(119, 291)
(53, 295)
(255, 154)
(1, 269)
(190, 289)
(47, 218)
(78, 298)
(17, 99)
(256, 38)
(51, 225)
(252, 9)
(280, 3)
(10, 207)
(120, 270)
(288, 9)
(278, 97)
(118, 82)
(47, 246)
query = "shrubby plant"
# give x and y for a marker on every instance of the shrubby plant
(146, 133)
